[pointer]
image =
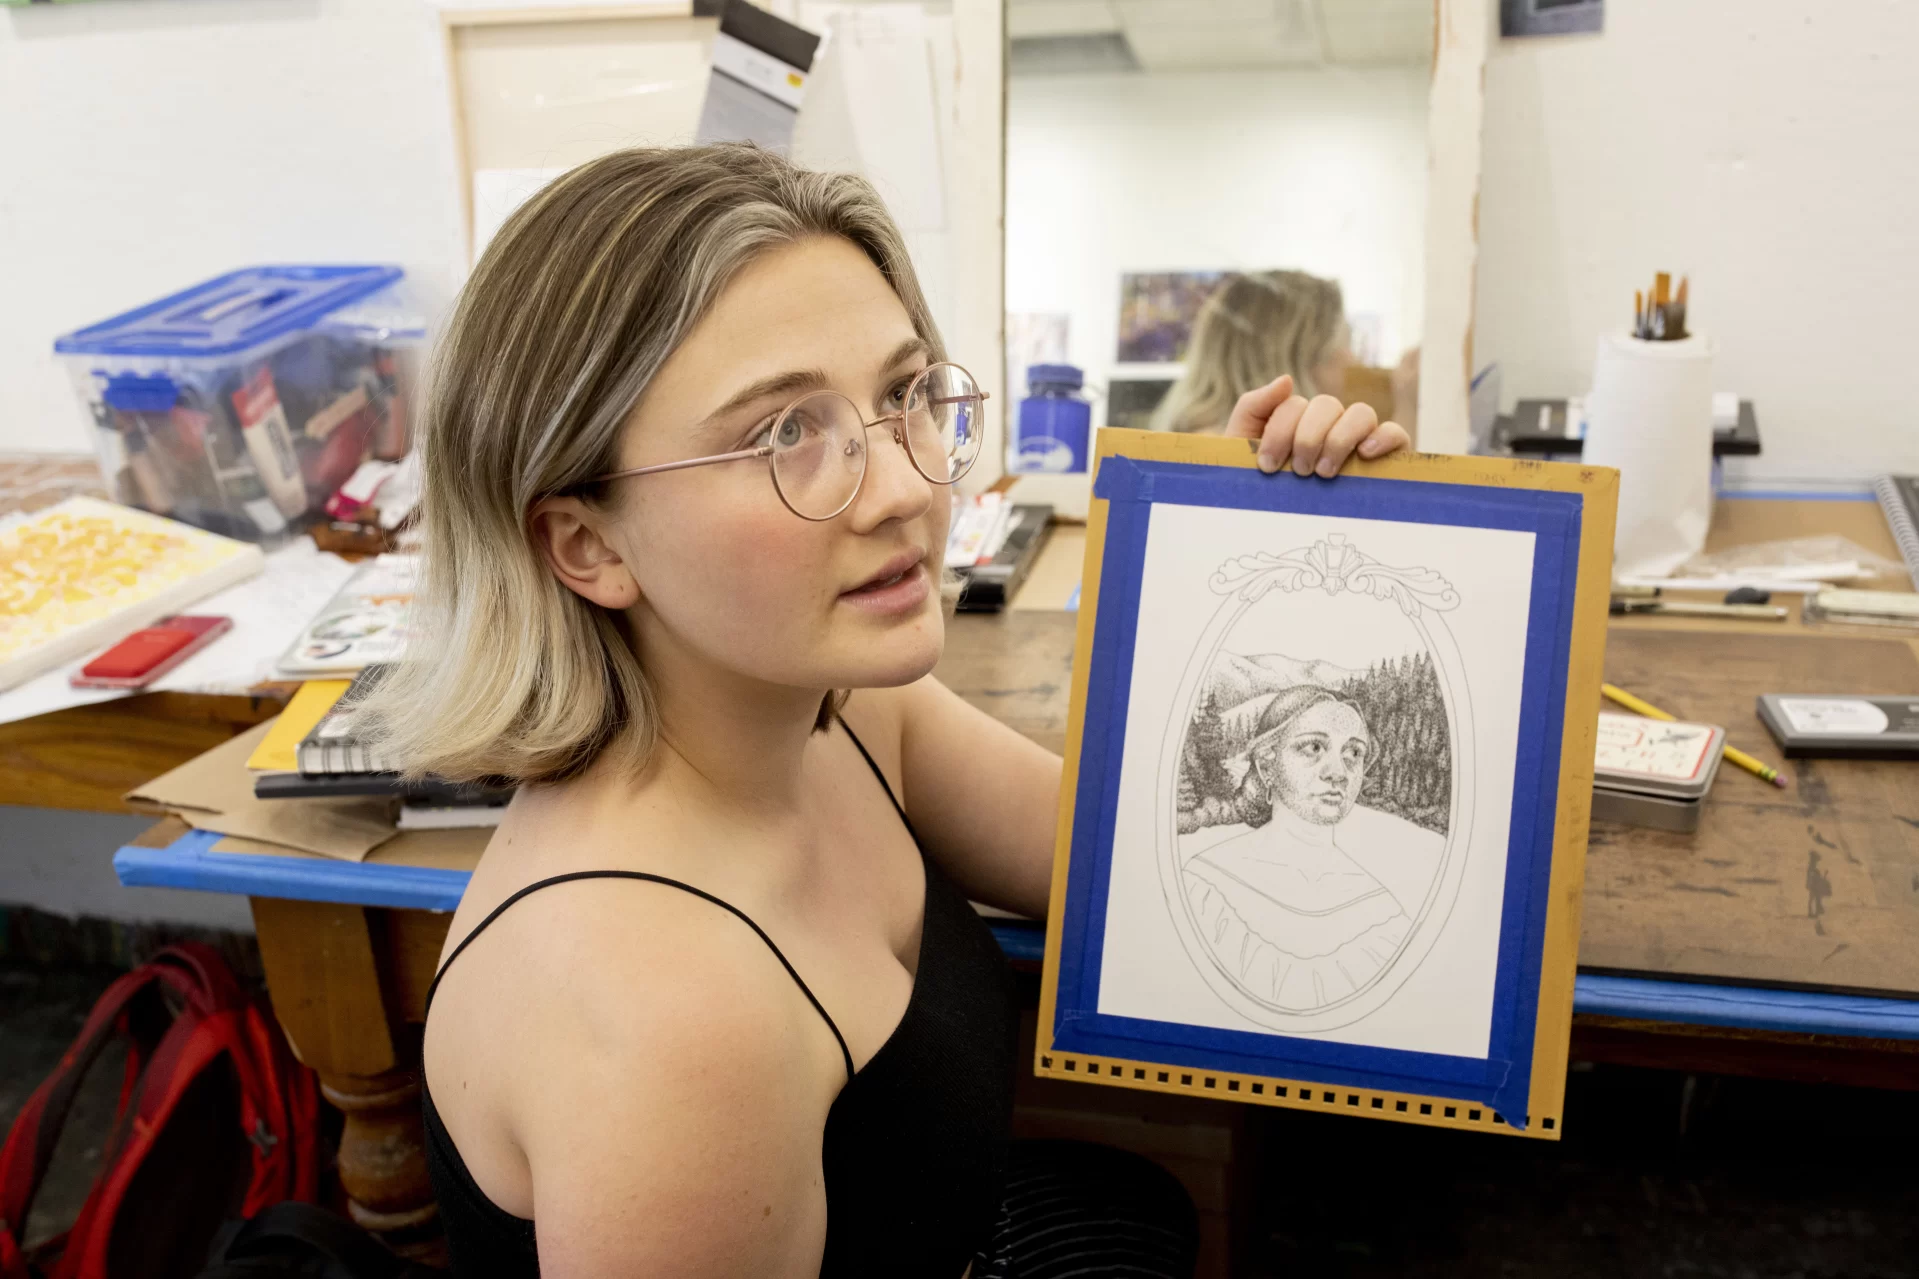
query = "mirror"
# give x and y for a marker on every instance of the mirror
(1203, 194)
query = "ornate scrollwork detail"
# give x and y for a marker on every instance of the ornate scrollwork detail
(1334, 566)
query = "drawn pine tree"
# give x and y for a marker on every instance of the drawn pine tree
(1411, 773)
(1205, 789)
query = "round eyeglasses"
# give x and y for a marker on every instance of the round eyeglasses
(816, 448)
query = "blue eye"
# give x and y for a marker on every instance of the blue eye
(782, 433)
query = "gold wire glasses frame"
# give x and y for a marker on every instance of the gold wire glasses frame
(816, 446)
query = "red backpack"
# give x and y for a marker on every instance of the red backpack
(216, 1119)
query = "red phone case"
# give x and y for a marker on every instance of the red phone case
(146, 655)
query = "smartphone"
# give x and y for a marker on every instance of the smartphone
(146, 655)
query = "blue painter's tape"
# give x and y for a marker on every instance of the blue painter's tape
(1024, 941)
(1131, 488)
(1747, 1007)
(188, 862)
(1084, 928)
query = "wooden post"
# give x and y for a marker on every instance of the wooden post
(324, 966)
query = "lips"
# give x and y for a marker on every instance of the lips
(891, 572)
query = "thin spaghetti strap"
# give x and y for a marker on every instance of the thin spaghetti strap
(884, 784)
(703, 895)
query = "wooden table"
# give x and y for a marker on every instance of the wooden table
(349, 975)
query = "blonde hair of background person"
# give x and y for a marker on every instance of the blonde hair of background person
(1255, 327)
(652, 659)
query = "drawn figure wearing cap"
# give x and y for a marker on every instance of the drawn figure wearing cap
(1293, 918)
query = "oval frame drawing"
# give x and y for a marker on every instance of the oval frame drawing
(1424, 596)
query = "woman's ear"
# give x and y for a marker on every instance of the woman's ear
(572, 538)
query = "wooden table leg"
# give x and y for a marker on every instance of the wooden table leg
(325, 976)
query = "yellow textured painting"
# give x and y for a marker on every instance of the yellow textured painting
(80, 575)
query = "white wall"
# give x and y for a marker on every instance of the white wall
(1765, 147)
(149, 144)
(1321, 170)
(61, 861)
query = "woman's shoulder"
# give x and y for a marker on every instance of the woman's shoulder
(616, 1029)
(602, 947)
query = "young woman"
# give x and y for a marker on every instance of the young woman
(1259, 326)
(715, 1003)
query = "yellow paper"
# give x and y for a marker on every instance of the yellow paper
(279, 752)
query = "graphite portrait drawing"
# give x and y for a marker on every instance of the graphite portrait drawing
(1316, 781)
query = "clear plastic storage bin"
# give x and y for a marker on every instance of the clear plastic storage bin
(242, 404)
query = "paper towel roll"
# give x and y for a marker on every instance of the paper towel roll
(1650, 415)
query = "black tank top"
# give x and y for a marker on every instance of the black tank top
(915, 1143)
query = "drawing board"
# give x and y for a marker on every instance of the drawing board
(1328, 777)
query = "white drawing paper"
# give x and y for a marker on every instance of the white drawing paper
(1316, 791)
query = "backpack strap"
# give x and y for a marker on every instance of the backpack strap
(36, 1129)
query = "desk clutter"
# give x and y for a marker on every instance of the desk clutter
(1837, 578)
(82, 574)
(1810, 886)
(302, 784)
(365, 623)
(1844, 727)
(253, 401)
(992, 546)
(1652, 773)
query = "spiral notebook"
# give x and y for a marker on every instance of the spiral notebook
(334, 746)
(1899, 498)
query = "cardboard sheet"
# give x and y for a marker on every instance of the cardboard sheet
(214, 792)
(432, 849)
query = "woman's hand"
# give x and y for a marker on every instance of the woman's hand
(1316, 435)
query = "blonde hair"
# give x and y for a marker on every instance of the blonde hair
(1252, 329)
(573, 309)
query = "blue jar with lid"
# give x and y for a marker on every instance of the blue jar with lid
(1055, 421)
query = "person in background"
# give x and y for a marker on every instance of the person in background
(714, 1002)
(1261, 325)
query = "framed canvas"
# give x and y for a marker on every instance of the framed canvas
(1328, 776)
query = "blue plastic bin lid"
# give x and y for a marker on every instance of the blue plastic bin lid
(1065, 377)
(230, 313)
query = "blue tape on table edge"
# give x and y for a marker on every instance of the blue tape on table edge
(190, 863)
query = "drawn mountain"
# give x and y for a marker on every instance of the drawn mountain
(1235, 679)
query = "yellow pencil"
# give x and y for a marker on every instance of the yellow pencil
(1758, 768)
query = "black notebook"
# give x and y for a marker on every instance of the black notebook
(1899, 499)
(332, 747)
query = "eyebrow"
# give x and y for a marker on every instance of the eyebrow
(796, 382)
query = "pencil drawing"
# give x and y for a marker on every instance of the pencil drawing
(1316, 812)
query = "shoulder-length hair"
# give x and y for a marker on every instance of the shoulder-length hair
(574, 307)
(1253, 328)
